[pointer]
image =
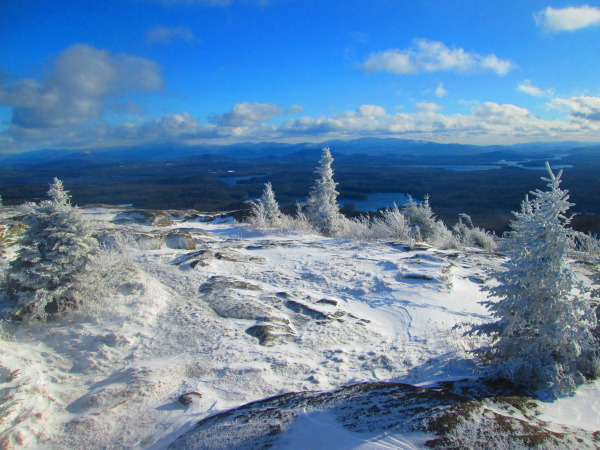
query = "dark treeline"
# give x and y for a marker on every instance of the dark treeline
(488, 196)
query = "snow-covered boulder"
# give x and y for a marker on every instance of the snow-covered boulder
(143, 217)
(180, 241)
(149, 241)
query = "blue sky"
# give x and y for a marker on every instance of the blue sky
(94, 74)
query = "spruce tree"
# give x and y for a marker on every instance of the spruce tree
(265, 212)
(542, 335)
(323, 211)
(54, 252)
(272, 212)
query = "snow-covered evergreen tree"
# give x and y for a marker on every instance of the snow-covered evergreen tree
(272, 211)
(54, 251)
(322, 208)
(543, 327)
(265, 212)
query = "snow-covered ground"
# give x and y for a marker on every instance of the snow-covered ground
(246, 316)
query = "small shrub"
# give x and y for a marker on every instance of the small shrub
(467, 235)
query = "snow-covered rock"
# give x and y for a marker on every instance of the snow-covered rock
(149, 241)
(389, 415)
(180, 241)
(143, 217)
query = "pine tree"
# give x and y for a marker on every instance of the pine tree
(265, 212)
(542, 333)
(272, 212)
(323, 210)
(54, 251)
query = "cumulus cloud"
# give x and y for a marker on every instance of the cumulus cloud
(433, 56)
(526, 87)
(572, 18)
(168, 127)
(485, 123)
(440, 91)
(78, 88)
(247, 114)
(371, 111)
(166, 35)
(587, 108)
(394, 61)
(428, 107)
(493, 113)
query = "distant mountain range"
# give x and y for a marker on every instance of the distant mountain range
(392, 147)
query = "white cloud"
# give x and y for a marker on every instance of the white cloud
(587, 108)
(528, 88)
(169, 127)
(495, 64)
(393, 61)
(567, 19)
(433, 56)
(493, 113)
(371, 111)
(440, 91)
(160, 34)
(428, 107)
(486, 123)
(247, 114)
(78, 88)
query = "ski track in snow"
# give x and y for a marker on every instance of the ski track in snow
(112, 380)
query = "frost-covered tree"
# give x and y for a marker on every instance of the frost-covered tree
(541, 338)
(322, 208)
(587, 246)
(54, 252)
(393, 224)
(468, 235)
(424, 225)
(272, 211)
(265, 212)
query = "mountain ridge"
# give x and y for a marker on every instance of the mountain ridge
(361, 146)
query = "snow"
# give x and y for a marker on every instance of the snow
(110, 375)
(322, 430)
(581, 410)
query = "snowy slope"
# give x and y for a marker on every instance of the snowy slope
(242, 317)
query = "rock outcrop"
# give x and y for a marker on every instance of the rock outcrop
(462, 414)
